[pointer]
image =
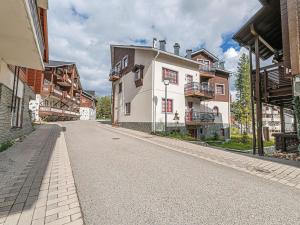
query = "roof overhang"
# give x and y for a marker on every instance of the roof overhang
(266, 24)
(155, 50)
(43, 4)
(206, 52)
(21, 41)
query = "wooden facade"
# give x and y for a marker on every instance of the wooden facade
(272, 33)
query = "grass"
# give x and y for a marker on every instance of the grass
(238, 142)
(176, 135)
(4, 146)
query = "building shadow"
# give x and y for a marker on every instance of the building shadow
(22, 189)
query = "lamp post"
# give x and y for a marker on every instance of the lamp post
(166, 82)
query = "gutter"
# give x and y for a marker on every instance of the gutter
(153, 103)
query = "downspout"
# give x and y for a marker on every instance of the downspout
(229, 107)
(153, 103)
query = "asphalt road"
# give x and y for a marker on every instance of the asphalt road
(125, 181)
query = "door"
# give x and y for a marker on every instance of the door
(190, 111)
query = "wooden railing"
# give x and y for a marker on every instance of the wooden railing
(196, 88)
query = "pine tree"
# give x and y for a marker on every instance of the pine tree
(104, 107)
(242, 106)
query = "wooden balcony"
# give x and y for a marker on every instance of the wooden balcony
(51, 111)
(204, 91)
(198, 118)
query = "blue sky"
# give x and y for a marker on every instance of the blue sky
(82, 31)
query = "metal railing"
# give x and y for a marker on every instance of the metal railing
(202, 88)
(199, 116)
(212, 68)
(37, 25)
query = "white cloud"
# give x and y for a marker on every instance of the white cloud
(81, 30)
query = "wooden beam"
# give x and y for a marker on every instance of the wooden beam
(261, 39)
(258, 100)
(252, 101)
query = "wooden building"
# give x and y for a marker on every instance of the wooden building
(273, 32)
(58, 90)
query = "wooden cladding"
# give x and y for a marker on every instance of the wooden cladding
(285, 34)
(293, 15)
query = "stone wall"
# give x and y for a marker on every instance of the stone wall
(6, 131)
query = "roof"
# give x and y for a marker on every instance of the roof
(53, 63)
(149, 48)
(267, 24)
(89, 95)
(203, 50)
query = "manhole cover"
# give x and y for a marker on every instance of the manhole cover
(115, 138)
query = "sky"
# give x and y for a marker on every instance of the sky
(82, 31)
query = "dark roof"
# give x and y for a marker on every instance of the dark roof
(89, 95)
(267, 23)
(208, 53)
(53, 63)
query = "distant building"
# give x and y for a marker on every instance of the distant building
(58, 91)
(88, 105)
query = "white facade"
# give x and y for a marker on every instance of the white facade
(146, 100)
(87, 113)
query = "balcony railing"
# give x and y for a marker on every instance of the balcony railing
(62, 112)
(37, 25)
(58, 92)
(199, 117)
(196, 89)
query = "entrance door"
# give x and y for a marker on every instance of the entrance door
(190, 111)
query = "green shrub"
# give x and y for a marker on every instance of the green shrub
(5, 145)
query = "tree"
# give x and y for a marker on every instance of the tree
(242, 105)
(104, 107)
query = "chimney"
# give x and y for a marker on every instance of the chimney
(154, 43)
(162, 45)
(189, 53)
(176, 48)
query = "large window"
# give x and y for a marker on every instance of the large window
(171, 75)
(189, 79)
(220, 89)
(169, 105)
(127, 108)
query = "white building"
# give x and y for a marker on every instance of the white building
(138, 90)
(88, 106)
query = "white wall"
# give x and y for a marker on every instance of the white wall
(139, 97)
(7, 78)
(87, 113)
(174, 91)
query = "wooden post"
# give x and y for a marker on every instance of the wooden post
(252, 101)
(258, 100)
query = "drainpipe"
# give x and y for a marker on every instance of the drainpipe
(153, 103)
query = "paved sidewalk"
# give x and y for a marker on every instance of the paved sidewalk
(38, 185)
(273, 171)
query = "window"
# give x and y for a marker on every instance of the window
(120, 87)
(220, 89)
(125, 61)
(169, 105)
(127, 108)
(16, 113)
(171, 75)
(216, 110)
(137, 75)
(189, 79)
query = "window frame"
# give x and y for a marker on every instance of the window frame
(216, 90)
(177, 76)
(118, 65)
(163, 108)
(126, 112)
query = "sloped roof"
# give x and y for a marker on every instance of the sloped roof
(149, 48)
(208, 53)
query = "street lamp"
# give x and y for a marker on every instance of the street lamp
(166, 83)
